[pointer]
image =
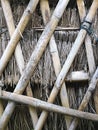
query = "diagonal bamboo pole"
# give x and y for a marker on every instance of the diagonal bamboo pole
(86, 98)
(35, 57)
(17, 34)
(18, 52)
(89, 51)
(88, 42)
(44, 5)
(47, 106)
(67, 65)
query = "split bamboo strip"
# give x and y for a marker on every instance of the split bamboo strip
(18, 52)
(44, 5)
(86, 98)
(17, 34)
(35, 57)
(67, 65)
(47, 106)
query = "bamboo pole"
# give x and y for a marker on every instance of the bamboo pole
(86, 98)
(35, 57)
(89, 51)
(47, 106)
(45, 10)
(60, 79)
(18, 53)
(17, 34)
(88, 42)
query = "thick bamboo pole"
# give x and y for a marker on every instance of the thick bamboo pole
(86, 98)
(35, 57)
(47, 106)
(18, 52)
(67, 65)
(44, 6)
(17, 34)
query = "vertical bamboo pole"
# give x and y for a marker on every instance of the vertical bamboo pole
(60, 79)
(17, 34)
(18, 53)
(35, 57)
(44, 5)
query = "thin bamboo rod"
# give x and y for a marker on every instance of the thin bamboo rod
(44, 6)
(86, 98)
(17, 34)
(60, 79)
(47, 106)
(35, 57)
(18, 52)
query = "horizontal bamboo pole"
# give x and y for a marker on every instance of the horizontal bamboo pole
(86, 98)
(60, 79)
(47, 106)
(17, 34)
(18, 53)
(35, 57)
(45, 10)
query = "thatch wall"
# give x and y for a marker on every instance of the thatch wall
(44, 76)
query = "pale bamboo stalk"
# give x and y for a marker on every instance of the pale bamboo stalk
(17, 34)
(35, 57)
(18, 52)
(88, 43)
(86, 98)
(89, 51)
(47, 106)
(60, 79)
(45, 10)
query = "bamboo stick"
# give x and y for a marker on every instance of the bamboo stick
(45, 10)
(47, 106)
(89, 51)
(88, 42)
(35, 57)
(60, 79)
(17, 34)
(18, 53)
(86, 98)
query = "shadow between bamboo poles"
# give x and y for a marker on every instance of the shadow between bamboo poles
(47, 106)
(89, 51)
(60, 79)
(17, 34)
(45, 10)
(35, 57)
(86, 98)
(18, 53)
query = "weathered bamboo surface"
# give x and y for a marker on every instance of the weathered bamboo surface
(18, 53)
(43, 80)
(47, 106)
(34, 59)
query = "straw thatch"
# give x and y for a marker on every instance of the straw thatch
(44, 76)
